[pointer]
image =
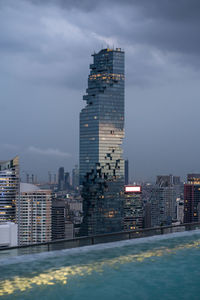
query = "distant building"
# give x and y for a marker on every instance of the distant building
(9, 189)
(101, 135)
(61, 179)
(167, 180)
(193, 178)
(163, 206)
(147, 215)
(67, 181)
(58, 219)
(164, 200)
(35, 214)
(75, 178)
(192, 199)
(133, 208)
(8, 234)
(180, 210)
(74, 213)
(126, 172)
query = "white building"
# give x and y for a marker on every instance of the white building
(34, 214)
(8, 234)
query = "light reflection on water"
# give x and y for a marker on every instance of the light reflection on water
(97, 264)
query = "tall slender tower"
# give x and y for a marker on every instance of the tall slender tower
(9, 186)
(101, 135)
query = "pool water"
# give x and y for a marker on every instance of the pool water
(166, 267)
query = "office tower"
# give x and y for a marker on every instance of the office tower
(192, 199)
(167, 180)
(61, 179)
(163, 206)
(101, 134)
(66, 181)
(164, 199)
(126, 172)
(75, 178)
(133, 208)
(58, 219)
(35, 214)
(9, 185)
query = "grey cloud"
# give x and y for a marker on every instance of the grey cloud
(45, 49)
(48, 152)
(171, 26)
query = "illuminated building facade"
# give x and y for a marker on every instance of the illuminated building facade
(9, 189)
(133, 208)
(101, 135)
(192, 199)
(35, 214)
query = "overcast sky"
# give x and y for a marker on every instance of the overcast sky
(45, 52)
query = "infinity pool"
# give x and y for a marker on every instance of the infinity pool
(161, 267)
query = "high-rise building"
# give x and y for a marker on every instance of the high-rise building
(9, 186)
(101, 135)
(192, 199)
(126, 172)
(58, 219)
(35, 214)
(133, 208)
(163, 206)
(75, 178)
(67, 181)
(167, 180)
(61, 179)
(164, 199)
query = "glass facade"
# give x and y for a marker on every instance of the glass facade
(101, 135)
(133, 211)
(9, 189)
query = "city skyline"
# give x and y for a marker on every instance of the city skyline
(42, 87)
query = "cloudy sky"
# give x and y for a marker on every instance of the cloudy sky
(45, 52)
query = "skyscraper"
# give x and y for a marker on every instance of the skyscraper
(126, 172)
(101, 134)
(167, 180)
(58, 219)
(61, 179)
(75, 178)
(164, 199)
(192, 199)
(9, 186)
(67, 181)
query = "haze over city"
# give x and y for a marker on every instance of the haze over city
(45, 49)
